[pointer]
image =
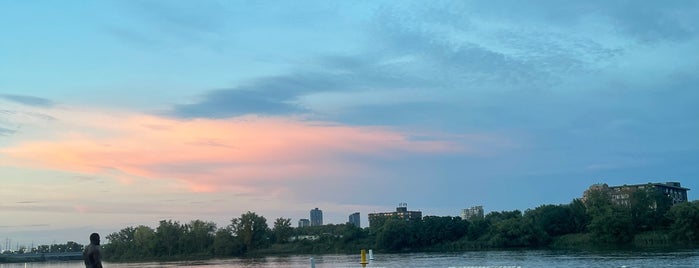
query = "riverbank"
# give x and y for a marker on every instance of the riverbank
(40, 257)
(648, 241)
(642, 241)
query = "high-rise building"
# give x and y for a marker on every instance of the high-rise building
(316, 217)
(304, 223)
(475, 212)
(355, 220)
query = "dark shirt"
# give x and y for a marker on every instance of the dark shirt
(92, 256)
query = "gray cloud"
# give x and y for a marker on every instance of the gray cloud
(280, 94)
(272, 95)
(28, 100)
(227, 103)
(27, 202)
(7, 131)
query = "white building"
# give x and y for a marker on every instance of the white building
(475, 212)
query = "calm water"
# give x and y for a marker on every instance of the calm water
(509, 259)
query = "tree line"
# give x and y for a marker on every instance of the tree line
(69, 246)
(648, 217)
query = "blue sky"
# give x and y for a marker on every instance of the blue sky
(119, 113)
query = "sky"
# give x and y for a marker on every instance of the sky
(125, 113)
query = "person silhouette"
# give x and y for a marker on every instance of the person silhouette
(92, 254)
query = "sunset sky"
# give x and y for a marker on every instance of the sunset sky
(122, 113)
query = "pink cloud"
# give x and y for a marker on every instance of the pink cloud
(211, 155)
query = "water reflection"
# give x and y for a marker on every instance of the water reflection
(524, 258)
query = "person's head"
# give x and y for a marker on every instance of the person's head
(95, 239)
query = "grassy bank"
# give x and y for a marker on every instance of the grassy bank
(642, 241)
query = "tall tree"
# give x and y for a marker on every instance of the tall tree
(144, 240)
(252, 230)
(168, 238)
(120, 243)
(200, 236)
(282, 230)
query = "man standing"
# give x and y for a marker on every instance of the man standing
(92, 254)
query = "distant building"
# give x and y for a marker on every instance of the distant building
(316, 217)
(472, 213)
(621, 195)
(304, 237)
(304, 223)
(355, 220)
(594, 187)
(400, 213)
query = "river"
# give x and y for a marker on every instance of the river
(474, 259)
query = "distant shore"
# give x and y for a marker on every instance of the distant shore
(40, 257)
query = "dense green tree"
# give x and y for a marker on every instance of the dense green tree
(432, 230)
(321, 230)
(144, 240)
(579, 219)
(496, 216)
(225, 244)
(350, 232)
(614, 227)
(252, 230)
(609, 223)
(663, 204)
(477, 228)
(169, 238)
(555, 220)
(648, 207)
(282, 230)
(618, 222)
(511, 229)
(685, 222)
(121, 244)
(598, 202)
(394, 235)
(69, 246)
(199, 236)
(376, 224)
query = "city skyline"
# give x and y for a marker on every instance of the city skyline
(125, 113)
